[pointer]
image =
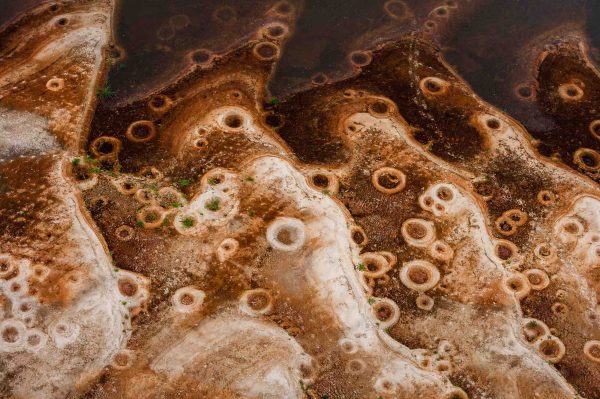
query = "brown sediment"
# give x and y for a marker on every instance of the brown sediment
(349, 204)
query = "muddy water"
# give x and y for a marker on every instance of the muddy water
(10, 9)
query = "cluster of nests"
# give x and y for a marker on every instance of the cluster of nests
(421, 275)
(418, 275)
(586, 159)
(288, 234)
(20, 327)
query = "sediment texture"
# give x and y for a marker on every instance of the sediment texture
(379, 231)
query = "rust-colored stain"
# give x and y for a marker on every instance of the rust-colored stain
(299, 199)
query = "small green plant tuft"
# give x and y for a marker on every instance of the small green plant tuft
(250, 178)
(371, 301)
(251, 213)
(274, 101)
(140, 223)
(105, 93)
(75, 161)
(361, 267)
(213, 205)
(531, 324)
(326, 192)
(183, 183)
(95, 170)
(176, 205)
(188, 222)
(212, 181)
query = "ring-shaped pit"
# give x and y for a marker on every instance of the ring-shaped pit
(445, 192)
(388, 180)
(266, 51)
(168, 197)
(358, 235)
(8, 267)
(141, 131)
(55, 84)
(419, 275)
(200, 144)
(218, 178)
(534, 329)
(35, 340)
(124, 233)
(256, 302)
(348, 346)
(356, 366)
(126, 186)
(424, 302)
(160, 103)
(492, 123)
(201, 57)
(275, 30)
(286, 234)
(505, 226)
(432, 86)
(188, 300)
(591, 350)
(525, 91)
(186, 223)
(319, 78)
(105, 146)
(538, 279)
(12, 335)
(517, 284)
(380, 108)
(440, 250)
(418, 232)
(40, 272)
(128, 287)
(146, 196)
(283, 8)
(374, 264)
(570, 228)
(360, 58)
(545, 252)
(587, 159)
(324, 181)
(518, 217)
(151, 217)
(123, 359)
(386, 312)
(396, 9)
(227, 249)
(63, 333)
(546, 197)
(506, 251)
(570, 92)
(559, 308)
(550, 348)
